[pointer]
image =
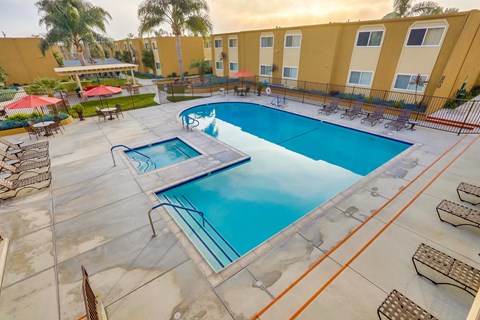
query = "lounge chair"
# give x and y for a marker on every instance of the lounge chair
(376, 116)
(329, 108)
(16, 167)
(118, 111)
(18, 145)
(100, 115)
(18, 185)
(448, 270)
(469, 190)
(401, 121)
(397, 306)
(354, 112)
(5, 155)
(459, 215)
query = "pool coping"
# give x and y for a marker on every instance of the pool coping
(216, 278)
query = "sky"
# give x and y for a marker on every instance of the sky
(19, 18)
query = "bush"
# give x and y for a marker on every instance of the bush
(20, 117)
(475, 91)
(11, 123)
(450, 104)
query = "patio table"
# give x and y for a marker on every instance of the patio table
(44, 126)
(110, 111)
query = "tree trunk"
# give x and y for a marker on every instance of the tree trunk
(81, 57)
(179, 55)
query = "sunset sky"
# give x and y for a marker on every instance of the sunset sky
(19, 18)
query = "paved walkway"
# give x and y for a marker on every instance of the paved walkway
(94, 215)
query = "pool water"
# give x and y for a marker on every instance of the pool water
(296, 164)
(161, 154)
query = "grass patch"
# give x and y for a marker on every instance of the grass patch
(141, 101)
(143, 76)
(182, 98)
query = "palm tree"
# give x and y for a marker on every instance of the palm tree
(202, 67)
(181, 15)
(75, 23)
(407, 8)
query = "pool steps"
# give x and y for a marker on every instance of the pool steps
(211, 244)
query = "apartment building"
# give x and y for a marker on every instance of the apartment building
(165, 53)
(378, 54)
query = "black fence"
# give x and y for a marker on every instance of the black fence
(459, 116)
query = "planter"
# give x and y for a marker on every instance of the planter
(13, 131)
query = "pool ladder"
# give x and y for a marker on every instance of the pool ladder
(148, 162)
(233, 255)
(187, 121)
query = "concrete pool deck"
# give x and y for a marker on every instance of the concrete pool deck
(95, 215)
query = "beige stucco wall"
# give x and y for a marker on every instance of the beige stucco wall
(291, 56)
(217, 53)
(265, 54)
(232, 56)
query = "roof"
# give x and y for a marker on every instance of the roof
(97, 68)
(76, 63)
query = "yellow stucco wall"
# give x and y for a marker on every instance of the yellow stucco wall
(22, 60)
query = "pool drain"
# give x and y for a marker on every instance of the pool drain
(177, 315)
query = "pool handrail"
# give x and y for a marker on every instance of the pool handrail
(186, 121)
(128, 148)
(173, 206)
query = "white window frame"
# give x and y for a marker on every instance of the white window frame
(215, 43)
(217, 67)
(283, 73)
(425, 45)
(369, 31)
(265, 74)
(359, 84)
(229, 39)
(421, 89)
(230, 66)
(154, 45)
(293, 35)
(157, 65)
(273, 41)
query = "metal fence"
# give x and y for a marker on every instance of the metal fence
(459, 116)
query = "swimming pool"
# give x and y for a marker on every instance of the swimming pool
(297, 163)
(161, 154)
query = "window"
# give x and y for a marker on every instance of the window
(266, 42)
(146, 45)
(218, 43)
(154, 45)
(293, 41)
(207, 44)
(425, 36)
(363, 78)
(125, 46)
(407, 82)
(290, 72)
(158, 65)
(233, 66)
(265, 70)
(369, 38)
(219, 65)
(232, 43)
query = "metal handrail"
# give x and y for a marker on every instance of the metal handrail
(173, 206)
(186, 121)
(128, 148)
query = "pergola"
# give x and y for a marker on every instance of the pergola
(97, 68)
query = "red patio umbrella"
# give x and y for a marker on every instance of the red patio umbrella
(102, 90)
(31, 102)
(243, 74)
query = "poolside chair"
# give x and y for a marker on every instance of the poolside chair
(54, 127)
(354, 112)
(17, 185)
(329, 108)
(18, 167)
(18, 145)
(401, 120)
(100, 115)
(247, 90)
(5, 155)
(58, 120)
(235, 90)
(32, 132)
(118, 110)
(398, 306)
(469, 190)
(376, 116)
(458, 215)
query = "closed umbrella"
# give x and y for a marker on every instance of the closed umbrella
(102, 90)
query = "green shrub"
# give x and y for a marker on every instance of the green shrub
(450, 104)
(20, 117)
(475, 91)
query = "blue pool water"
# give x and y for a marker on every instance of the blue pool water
(161, 154)
(296, 164)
